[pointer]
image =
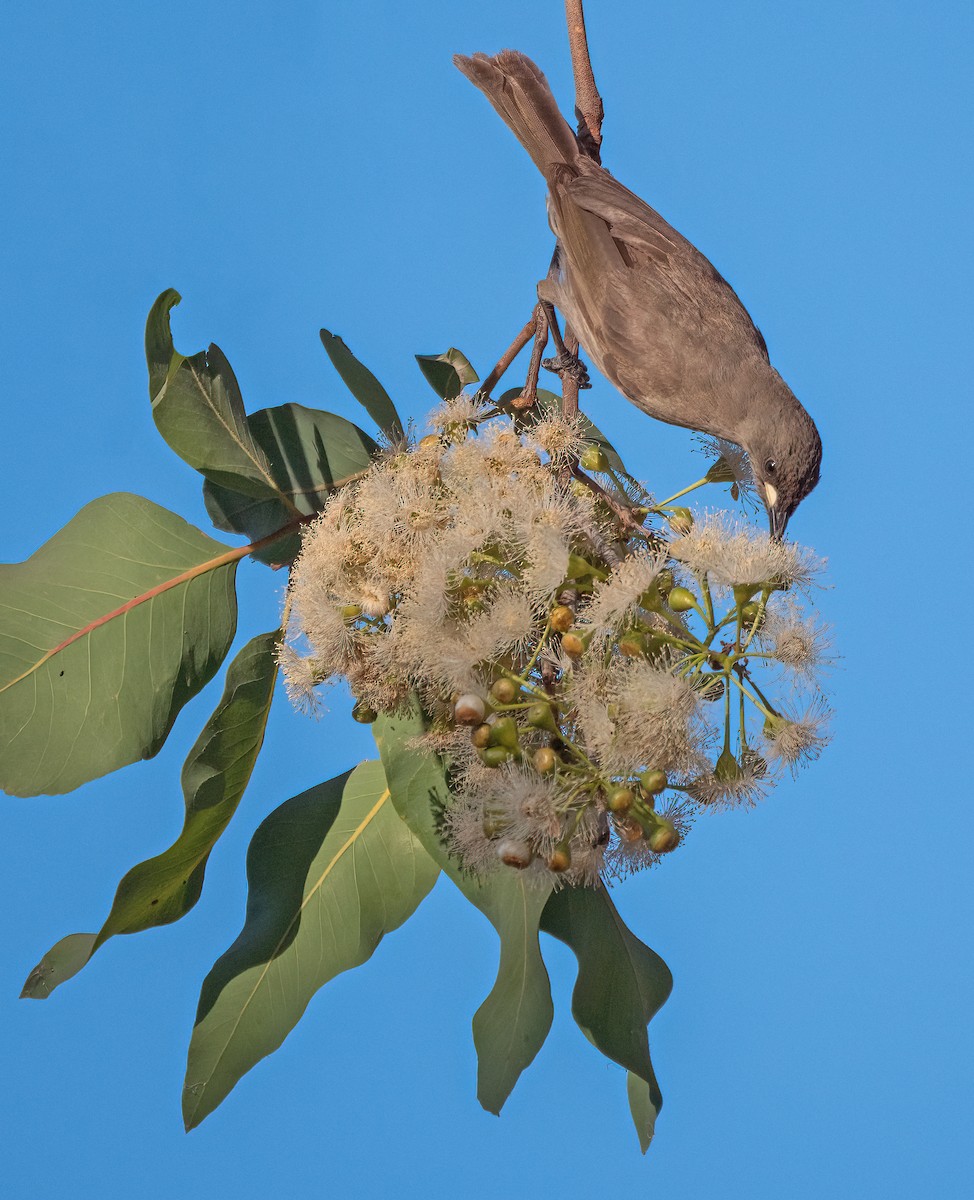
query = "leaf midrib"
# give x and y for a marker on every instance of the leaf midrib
(313, 891)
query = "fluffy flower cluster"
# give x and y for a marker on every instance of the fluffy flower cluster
(591, 687)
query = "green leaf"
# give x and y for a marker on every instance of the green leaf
(330, 872)
(363, 385)
(106, 632)
(216, 772)
(642, 1108)
(512, 1023)
(197, 407)
(547, 404)
(447, 373)
(311, 453)
(621, 986)
(63, 960)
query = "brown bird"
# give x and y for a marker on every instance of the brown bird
(655, 316)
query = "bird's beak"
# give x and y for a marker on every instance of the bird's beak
(777, 517)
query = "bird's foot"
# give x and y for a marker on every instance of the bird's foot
(571, 365)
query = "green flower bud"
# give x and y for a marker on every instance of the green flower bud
(653, 782)
(493, 756)
(664, 838)
(363, 713)
(743, 592)
(621, 800)
(541, 716)
(503, 732)
(681, 599)
(351, 612)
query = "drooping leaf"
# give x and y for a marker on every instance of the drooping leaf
(621, 986)
(447, 373)
(548, 403)
(512, 1023)
(64, 959)
(311, 453)
(105, 632)
(198, 409)
(215, 774)
(363, 385)
(642, 1109)
(330, 872)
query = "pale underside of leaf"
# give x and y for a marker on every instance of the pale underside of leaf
(330, 873)
(511, 1025)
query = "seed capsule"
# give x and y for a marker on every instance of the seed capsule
(504, 691)
(514, 853)
(561, 618)
(561, 858)
(363, 713)
(481, 737)
(572, 644)
(544, 760)
(469, 709)
(632, 645)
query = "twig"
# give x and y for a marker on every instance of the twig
(529, 395)
(509, 356)
(569, 379)
(621, 511)
(588, 102)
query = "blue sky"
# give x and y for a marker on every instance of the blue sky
(317, 164)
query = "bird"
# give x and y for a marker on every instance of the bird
(651, 311)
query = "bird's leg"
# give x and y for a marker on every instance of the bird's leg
(564, 362)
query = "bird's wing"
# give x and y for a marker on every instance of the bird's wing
(649, 244)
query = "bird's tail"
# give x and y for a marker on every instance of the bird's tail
(519, 91)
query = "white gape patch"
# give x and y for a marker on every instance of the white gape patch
(772, 493)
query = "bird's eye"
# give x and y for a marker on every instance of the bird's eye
(770, 466)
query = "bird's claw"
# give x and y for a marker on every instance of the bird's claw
(571, 365)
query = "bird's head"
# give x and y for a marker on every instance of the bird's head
(785, 452)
